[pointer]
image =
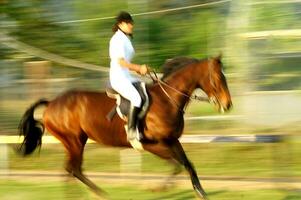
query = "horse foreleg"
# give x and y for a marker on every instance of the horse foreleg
(180, 156)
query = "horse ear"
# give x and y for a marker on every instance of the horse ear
(219, 56)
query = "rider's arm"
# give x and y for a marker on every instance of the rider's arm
(141, 69)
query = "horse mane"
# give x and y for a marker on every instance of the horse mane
(172, 65)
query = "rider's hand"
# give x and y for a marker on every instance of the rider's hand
(143, 69)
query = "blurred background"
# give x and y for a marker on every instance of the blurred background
(50, 46)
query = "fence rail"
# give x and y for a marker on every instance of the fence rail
(5, 139)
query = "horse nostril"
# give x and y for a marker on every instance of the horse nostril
(229, 106)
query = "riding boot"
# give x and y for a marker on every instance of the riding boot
(133, 132)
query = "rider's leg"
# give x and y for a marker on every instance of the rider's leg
(136, 101)
(128, 91)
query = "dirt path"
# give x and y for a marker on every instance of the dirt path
(153, 180)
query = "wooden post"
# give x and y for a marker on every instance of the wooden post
(36, 72)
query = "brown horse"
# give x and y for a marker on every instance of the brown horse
(75, 116)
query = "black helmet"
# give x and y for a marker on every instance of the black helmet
(124, 17)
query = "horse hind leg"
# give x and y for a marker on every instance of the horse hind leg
(180, 156)
(74, 145)
(177, 169)
(169, 182)
(163, 151)
(75, 150)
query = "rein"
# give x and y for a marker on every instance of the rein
(153, 75)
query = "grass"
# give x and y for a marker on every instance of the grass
(220, 159)
(27, 190)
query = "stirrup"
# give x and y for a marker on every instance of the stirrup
(135, 142)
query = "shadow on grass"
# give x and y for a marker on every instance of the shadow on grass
(184, 195)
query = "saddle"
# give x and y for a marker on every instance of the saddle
(122, 104)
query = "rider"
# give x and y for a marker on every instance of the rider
(121, 54)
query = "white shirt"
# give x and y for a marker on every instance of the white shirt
(120, 47)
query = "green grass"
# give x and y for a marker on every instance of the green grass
(221, 159)
(27, 190)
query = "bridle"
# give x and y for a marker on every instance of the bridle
(215, 100)
(153, 75)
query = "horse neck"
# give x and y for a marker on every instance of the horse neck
(184, 81)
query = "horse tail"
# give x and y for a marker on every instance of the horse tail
(31, 129)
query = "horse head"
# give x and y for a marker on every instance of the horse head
(214, 84)
(186, 74)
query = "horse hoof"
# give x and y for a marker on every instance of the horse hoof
(160, 189)
(99, 192)
(200, 193)
(201, 196)
(99, 195)
(164, 188)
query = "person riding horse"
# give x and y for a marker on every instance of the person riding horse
(121, 53)
(163, 122)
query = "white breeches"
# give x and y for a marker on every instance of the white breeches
(126, 89)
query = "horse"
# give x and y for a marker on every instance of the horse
(76, 115)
